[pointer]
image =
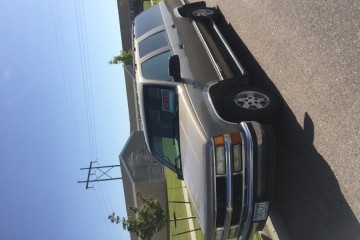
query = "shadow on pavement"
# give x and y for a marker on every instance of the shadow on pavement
(307, 192)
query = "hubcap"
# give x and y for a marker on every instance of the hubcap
(203, 12)
(252, 100)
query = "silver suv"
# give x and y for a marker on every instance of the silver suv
(203, 119)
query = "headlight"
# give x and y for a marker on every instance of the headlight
(219, 234)
(220, 160)
(237, 158)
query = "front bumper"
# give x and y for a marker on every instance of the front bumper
(240, 197)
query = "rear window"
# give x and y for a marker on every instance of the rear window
(147, 20)
(152, 43)
(157, 67)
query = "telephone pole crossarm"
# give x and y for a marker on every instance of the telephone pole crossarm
(100, 180)
(105, 172)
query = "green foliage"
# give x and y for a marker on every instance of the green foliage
(149, 220)
(256, 236)
(125, 58)
(149, 3)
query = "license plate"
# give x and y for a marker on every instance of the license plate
(261, 211)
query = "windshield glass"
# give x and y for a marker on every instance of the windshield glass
(162, 124)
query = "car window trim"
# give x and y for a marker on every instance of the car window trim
(151, 32)
(154, 53)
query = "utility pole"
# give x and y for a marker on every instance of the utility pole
(179, 219)
(103, 169)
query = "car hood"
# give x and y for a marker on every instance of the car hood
(193, 144)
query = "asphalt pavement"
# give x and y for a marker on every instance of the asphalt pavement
(309, 51)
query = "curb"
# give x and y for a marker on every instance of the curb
(274, 228)
(269, 232)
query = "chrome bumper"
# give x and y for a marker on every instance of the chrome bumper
(240, 229)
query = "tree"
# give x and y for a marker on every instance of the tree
(125, 58)
(150, 218)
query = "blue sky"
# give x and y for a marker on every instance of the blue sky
(61, 106)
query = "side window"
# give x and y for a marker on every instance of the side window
(157, 67)
(156, 41)
(147, 20)
(162, 123)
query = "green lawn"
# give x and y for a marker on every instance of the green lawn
(256, 236)
(199, 234)
(175, 193)
(149, 3)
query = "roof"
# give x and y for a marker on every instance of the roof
(128, 9)
(143, 174)
(140, 164)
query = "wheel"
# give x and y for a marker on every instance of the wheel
(202, 13)
(250, 103)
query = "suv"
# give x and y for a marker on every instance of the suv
(203, 119)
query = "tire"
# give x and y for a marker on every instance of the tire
(202, 13)
(250, 103)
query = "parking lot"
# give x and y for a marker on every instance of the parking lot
(309, 51)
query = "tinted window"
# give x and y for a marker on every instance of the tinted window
(162, 124)
(148, 20)
(157, 67)
(152, 43)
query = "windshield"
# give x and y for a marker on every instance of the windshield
(162, 124)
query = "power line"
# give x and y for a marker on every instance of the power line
(59, 37)
(92, 113)
(86, 77)
(86, 74)
(83, 71)
(111, 234)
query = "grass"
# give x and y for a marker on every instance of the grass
(175, 193)
(149, 3)
(199, 234)
(256, 236)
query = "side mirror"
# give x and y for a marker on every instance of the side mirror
(174, 68)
